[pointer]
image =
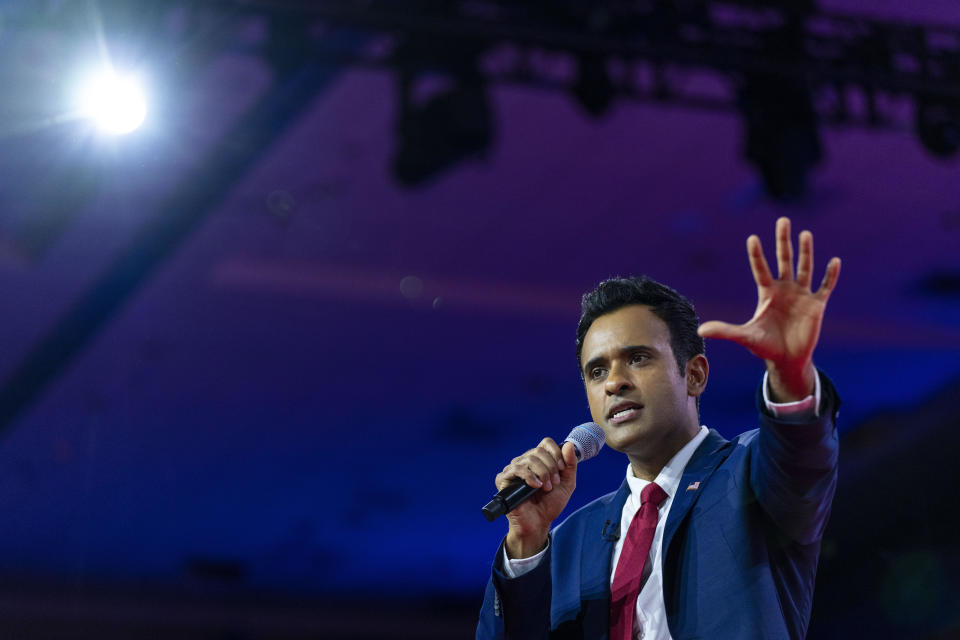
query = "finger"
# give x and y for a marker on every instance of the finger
(547, 469)
(758, 263)
(722, 331)
(570, 455)
(508, 475)
(553, 449)
(511, 474)
(548, 456)
(544, 466)
(784, 249)
(568, 476)
(521, 467)
(829, 279)
(524, 469)
(805, 261)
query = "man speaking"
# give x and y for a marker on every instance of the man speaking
(705, 538)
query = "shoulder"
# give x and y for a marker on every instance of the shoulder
(736, 451)
(745, 439)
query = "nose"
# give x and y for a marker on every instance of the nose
(617, 380)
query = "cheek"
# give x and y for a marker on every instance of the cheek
(595, 401)
(594, 410)
(680, 396)
(669, 396)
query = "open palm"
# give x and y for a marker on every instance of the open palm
(786, 325)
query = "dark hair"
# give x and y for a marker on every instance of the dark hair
(665, 303)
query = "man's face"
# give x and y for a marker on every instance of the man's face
(635, 390)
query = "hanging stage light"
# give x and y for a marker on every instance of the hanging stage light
(450, 127)
(781, 135)
(593, 88)
(937, 123)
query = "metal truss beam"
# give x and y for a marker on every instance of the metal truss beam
(860, 69)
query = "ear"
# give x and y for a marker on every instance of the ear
(697, 371)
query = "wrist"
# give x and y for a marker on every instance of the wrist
(791, 384)
(525, 545)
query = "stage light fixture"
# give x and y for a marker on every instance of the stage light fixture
(937, 123)
(593, 88)
(116, 102)
(451, 127)
(781, 139)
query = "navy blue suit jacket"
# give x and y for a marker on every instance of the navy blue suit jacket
(739, 551)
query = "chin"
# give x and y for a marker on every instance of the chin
(630, 435)
(622, 442)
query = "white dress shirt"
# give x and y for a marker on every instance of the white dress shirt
(650, 617)
(650, 621)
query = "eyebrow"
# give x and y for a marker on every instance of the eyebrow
(592, 362)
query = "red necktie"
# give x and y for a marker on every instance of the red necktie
(628, 579)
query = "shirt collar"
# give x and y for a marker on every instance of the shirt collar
(669, 476)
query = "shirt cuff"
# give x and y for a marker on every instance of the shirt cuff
(520, 566)
(809, 406)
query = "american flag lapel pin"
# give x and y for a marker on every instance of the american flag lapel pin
(693, 486)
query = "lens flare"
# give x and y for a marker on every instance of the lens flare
(116, 103)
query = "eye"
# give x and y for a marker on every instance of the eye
(638, 358)
(596, 373)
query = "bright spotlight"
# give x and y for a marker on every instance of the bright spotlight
(116, 103)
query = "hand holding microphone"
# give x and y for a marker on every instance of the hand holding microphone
(536, 486)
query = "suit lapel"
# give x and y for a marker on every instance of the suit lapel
(704, 462)
(596, 573)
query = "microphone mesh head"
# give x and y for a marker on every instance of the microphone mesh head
(587, 439)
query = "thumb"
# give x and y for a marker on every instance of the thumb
(722, 331)
(569, 453)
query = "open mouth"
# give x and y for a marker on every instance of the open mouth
(624, 412)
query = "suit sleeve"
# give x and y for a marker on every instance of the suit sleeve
(793, 468)
(516, 608)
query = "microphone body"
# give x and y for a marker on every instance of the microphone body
(587, 438)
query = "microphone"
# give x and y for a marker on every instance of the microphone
(587, 439)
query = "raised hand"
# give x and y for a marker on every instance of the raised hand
(786, 325)
(554, 471)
